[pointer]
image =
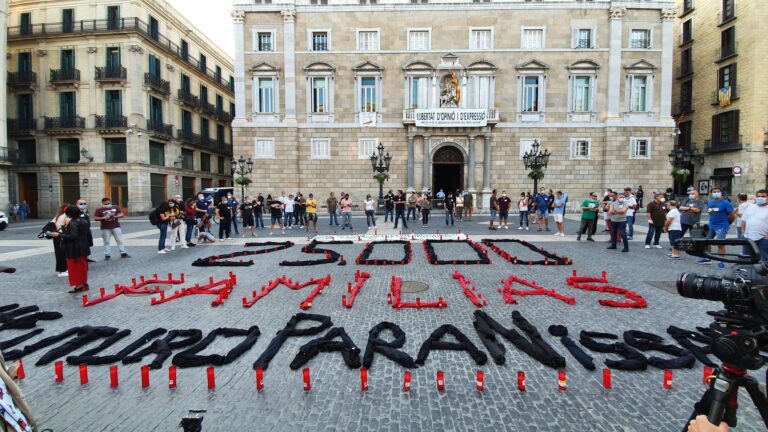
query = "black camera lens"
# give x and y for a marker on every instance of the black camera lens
(694, 286)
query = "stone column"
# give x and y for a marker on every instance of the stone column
(614, 63)
(471, 163)
(289, 63)
(410, 163)
(487, 164)
(667, 44)
(238, 17)
(425, 171)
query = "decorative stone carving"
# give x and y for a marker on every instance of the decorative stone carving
(238, 17)
(92, 50)
(617, 12)
(42, 53)
(289, 15)
(136, 49)
(435, 142)
(448, 154)
(170, 67)
(668, 14)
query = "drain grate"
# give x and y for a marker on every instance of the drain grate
(413, 287)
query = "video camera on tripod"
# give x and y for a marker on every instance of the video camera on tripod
(742, 327)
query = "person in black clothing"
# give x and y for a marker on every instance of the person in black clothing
(224, 212)
(276, 213)
(83, 206)
(246, 213)
(76, 244)
(399, 202)
(448, 204)
(389, 205)
(258, 211)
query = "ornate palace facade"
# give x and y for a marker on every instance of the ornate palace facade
(456, 91)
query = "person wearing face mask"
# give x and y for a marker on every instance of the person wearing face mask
(657, 217)
(233, 205)
(162, 225)
(370, 209)
(109, 216)
(201, 207)
(258, 211)
(224, 212)
(504, 203)
(173, 219)
(589, 210)
(618, 211)
(632, 206)
(83, 206)
(744, 203)
(559, 212)
(721, 214)
(691, 210)
(76, 247)
(754, 223)
(522, 207)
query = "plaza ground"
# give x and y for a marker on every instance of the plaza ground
(637, 402)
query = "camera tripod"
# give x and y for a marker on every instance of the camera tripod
(720, 403)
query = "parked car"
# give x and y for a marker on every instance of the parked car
(3, 220)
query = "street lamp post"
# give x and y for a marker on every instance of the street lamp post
(242, 167)
(535, 161)
(380, 164)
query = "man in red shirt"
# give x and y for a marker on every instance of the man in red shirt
(504, 203)
(109, 216)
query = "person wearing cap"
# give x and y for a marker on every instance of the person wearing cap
(109, 217)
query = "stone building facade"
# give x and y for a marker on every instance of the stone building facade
(121, 99)
(456, 91)
(719, 98)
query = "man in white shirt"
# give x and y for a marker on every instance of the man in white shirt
(754, 223)
(631, 203)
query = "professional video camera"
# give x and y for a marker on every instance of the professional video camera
(742, 327)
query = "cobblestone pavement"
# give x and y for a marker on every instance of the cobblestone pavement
(637, 401)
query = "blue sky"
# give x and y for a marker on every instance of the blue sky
(212, 18)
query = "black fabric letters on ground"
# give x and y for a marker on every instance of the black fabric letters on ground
(90, 358)
(389, 349)
(435, 342)
(349, 351)
(164, 347)
(651, 342)
(582, 357)
(536, 347)
(4, 345)
(363, 259)
(429, 248)
(311, 248)
(222, 260)
(290, 330)
(84, 337)
(686, 339)
(189, 357)
(549, 257)
(634, 360)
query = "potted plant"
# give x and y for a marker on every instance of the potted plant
(536, 174)
(243, 181)
(381, 177)
(681, 174)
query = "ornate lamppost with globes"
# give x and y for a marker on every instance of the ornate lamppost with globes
(241, 168)
(536, 161)
(380, 164)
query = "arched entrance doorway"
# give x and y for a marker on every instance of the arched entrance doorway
(448, 169)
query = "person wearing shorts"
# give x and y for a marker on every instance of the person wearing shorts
(246, 213)
(721, 213)
(674, 228)
(276, 213)
(504, 203)
(542, 209)
(312, 213)
(494, 207)
(559, 212)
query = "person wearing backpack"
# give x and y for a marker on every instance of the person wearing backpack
(159, 218)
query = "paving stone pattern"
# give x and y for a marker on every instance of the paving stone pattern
(637, 402)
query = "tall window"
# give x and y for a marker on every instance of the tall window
(368, 40)
(532, 38)
(640, 38)
(266, 95)
(480, 39)
(25, 21)
(368, 94)
(220, 136)
(320, 41)
(686, 96)
(69, 150)
(115, 150)
(68, 20)
(113, 17)
(154, 66)
(113, 61)
(727, 79)
(686, 61)
(583, 39)
(203, 63)
(203, 94)
(531, 93)
(265, 41)
(418, 40)
(186, 84)
(27, 151)
(640, 148)
(729, 9)
(638, 93)
(687, 31)
(67, 106)
(319, 94)
(187, 159)
(25, 62)
(156, 153)
(186, 121)
(480, 91)
(154, 28)
(320, 148)
(581, 148)
(184, 50)
(155, 112)
(265, 148)
(687, 5)
(205, 162)
(67, 61)
(725, 130)
(728, 42)
(24, 112)
(205, 129)
(418, 92)
(113, 104)
(70, 186)
(157, 188)
(582, 94)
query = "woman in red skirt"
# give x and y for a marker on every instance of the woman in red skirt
(74, 241)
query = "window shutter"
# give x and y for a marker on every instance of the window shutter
(734, 128)
(715, 131)
(574, 38)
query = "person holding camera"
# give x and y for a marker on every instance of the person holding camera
(76, 244)
(109, 218)
(754, 223)
(702, 424)
(204, 230)
(721, 214)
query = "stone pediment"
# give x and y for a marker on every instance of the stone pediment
(482, 65)
(533, 65)
(642, 65)
(368, 66)
(583, 65)
(418, 66)
(319, 67)
(264, 67)
(449, 61)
